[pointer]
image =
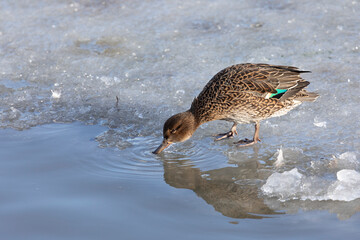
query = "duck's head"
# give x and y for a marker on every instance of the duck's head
(177, 128)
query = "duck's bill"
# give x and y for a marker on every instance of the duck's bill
(163, 145)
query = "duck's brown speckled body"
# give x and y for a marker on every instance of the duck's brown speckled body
(242, 93)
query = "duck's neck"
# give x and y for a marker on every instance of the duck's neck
(200, 114)
(192, 120)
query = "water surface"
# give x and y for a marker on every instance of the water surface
(51, 189)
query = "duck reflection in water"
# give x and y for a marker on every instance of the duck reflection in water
(219, 190)
(234, 191)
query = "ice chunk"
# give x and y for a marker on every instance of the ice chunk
(291, 185)
(55, 93)
(348, 156)
(289, 158)
(279, 159)
(346, 160)
(349, 176)
(346, 188)
(285, 185)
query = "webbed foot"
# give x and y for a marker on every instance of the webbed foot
(229, 134)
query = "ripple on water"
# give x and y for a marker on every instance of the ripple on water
(137, 161)
(133, 162)
(203, 154)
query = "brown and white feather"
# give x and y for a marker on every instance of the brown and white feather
(239, 93)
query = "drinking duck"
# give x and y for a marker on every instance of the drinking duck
(242, 93)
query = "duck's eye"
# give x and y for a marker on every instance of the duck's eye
(175, 129)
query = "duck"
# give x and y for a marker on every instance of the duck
(244, 93)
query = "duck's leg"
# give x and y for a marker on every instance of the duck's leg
(248, 142)
(229, 134)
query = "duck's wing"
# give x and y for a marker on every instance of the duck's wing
(262, 80)
(234, 83)
(262, 77)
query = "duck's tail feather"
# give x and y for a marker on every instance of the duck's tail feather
(305, 96)
(291, 92)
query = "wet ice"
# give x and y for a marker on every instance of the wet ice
(292, 184)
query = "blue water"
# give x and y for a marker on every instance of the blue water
(52, 189)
